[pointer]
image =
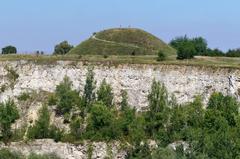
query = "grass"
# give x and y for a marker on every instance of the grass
(226, 62)
(123, 42)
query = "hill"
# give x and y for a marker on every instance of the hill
(122, 41)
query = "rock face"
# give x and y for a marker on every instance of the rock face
(96, 150)
(185, 82)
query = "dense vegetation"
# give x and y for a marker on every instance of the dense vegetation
(9, 50)
(198, 133)
(187, 48)
(62, 48)
(122, 42)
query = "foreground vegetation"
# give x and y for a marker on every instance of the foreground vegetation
(7, 154)
(200, 133)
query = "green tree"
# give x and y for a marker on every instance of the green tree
(67, 98)
(9, 50)
(105, 94)
(186, 50)
(8, 115)
(40, 129)
(200, 45)
(101, 124)
(159, 112)
(89, 94)
(62, 48)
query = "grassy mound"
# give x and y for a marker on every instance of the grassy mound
(122, 42)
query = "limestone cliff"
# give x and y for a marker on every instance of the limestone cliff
(185, 82)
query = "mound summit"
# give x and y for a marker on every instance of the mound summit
(122, 41)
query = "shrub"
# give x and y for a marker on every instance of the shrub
(12, 74)
(52, 100)
(124, 102)
(8, 115)
(9, 50)
(105, 94)
(7, 154)
(161, 56)
(24, 96)
(76, 127)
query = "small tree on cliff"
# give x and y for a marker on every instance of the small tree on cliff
(8, 115)
(89, 94)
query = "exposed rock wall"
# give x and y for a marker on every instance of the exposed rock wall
(96, 150)
(185, 82)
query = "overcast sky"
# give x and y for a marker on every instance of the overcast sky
(40, 24)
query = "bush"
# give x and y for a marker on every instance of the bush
(9, 50)
(105, 94)
(76, 127)
(7, 154)
(124, 102)
(62, 48)
(161, 56)
(24, 96)
(8, 115)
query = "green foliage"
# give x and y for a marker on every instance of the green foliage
(124, 102)
(62, 48)
(11, 74)
(159, 105)
(140, 151)
(105, 94)
(187, 48)
(7, 154)
(41, 128)
(101, 123)
(164, 153)
(233, 53)
(66, 97)
(52, 100)
(76, 127)
(24, 96)
(9, 50)
(161, 56)
(90, 85)
(8, 115)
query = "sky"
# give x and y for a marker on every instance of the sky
(32, 25)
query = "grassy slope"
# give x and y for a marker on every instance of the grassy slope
(124, 40)
(226, 62)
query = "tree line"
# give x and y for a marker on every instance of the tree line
(187, 48)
